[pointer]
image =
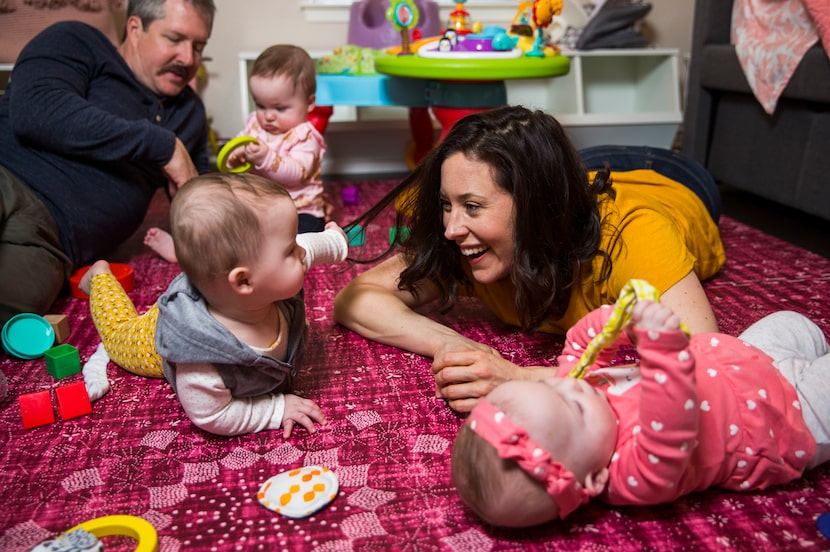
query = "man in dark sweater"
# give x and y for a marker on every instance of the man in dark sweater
(88, 133)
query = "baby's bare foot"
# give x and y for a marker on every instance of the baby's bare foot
(162, 243)
(98, 267)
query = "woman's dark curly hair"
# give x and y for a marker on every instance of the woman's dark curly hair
(558, 228)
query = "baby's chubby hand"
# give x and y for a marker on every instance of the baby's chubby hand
(300, 411)
(334, 226)
(256, 153)
(253, 153)
(649, 315)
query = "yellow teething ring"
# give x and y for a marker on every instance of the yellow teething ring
(225, 152)
(129, 526)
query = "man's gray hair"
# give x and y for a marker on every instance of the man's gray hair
(151, 10)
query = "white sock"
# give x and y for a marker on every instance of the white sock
(326, 247)
(95, 374)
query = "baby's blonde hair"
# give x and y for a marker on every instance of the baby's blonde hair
(214, 222)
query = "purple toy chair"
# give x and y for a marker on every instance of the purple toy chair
(369, 28)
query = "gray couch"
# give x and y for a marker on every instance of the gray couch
(784, 157)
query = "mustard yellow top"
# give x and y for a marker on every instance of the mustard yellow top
(666, 232)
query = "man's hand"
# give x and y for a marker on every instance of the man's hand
(180, 168)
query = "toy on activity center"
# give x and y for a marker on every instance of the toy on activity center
(465, 39)
(404, 15)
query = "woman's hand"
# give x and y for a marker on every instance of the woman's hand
(466, 371)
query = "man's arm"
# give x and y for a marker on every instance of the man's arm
(72, 95)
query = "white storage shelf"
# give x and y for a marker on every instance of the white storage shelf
(620, 96)
(611, 96)
(603, 88)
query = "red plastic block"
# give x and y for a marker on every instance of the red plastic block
(36, 409)
(73, 400)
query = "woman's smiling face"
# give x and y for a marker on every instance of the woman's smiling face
(478, 217)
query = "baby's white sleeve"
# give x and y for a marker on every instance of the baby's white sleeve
(210, 405)
(326, 247)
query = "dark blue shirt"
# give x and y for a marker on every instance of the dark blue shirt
(89, 139)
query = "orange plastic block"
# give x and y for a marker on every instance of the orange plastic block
(73, 400)
(36, 409)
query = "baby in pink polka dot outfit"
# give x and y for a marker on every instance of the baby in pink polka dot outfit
(696, 412)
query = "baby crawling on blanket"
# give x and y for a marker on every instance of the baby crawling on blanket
(229, 333)
(711, 410)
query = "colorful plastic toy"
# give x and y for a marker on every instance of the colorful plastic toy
(62, 360)
(73, 400)
(393, 233)
(299, 493)
(351, 195)
(493, 42)
(634, 290)
(122, 272)
(227, 149)
(36, 409)
(27, 336)
(133, 527)
(543, 13)
(78, 540)
(60, 325)
(823, 524)
(404, 15)
(459, 20)
(369, 28)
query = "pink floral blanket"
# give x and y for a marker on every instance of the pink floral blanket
(771, 37)
(388, 439)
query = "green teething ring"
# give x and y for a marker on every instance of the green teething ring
(225, 152)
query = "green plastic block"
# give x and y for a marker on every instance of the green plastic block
(393, 231)
(62, 361)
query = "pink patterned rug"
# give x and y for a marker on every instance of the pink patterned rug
(388, 439)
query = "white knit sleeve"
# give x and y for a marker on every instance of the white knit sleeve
(327, 247)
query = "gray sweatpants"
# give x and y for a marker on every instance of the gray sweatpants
(800, 351)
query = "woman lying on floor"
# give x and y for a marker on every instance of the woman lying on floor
(501, 210)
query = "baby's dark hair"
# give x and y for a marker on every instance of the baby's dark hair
(287, 59)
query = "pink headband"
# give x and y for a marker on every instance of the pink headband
(513, 443)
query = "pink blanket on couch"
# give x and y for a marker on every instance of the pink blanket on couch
(771, 37)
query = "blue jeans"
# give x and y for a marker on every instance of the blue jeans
(673, 165)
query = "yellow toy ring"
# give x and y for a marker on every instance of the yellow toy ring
(129, 526)
(225, 152)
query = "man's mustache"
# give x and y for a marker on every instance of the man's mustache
(182, 71)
